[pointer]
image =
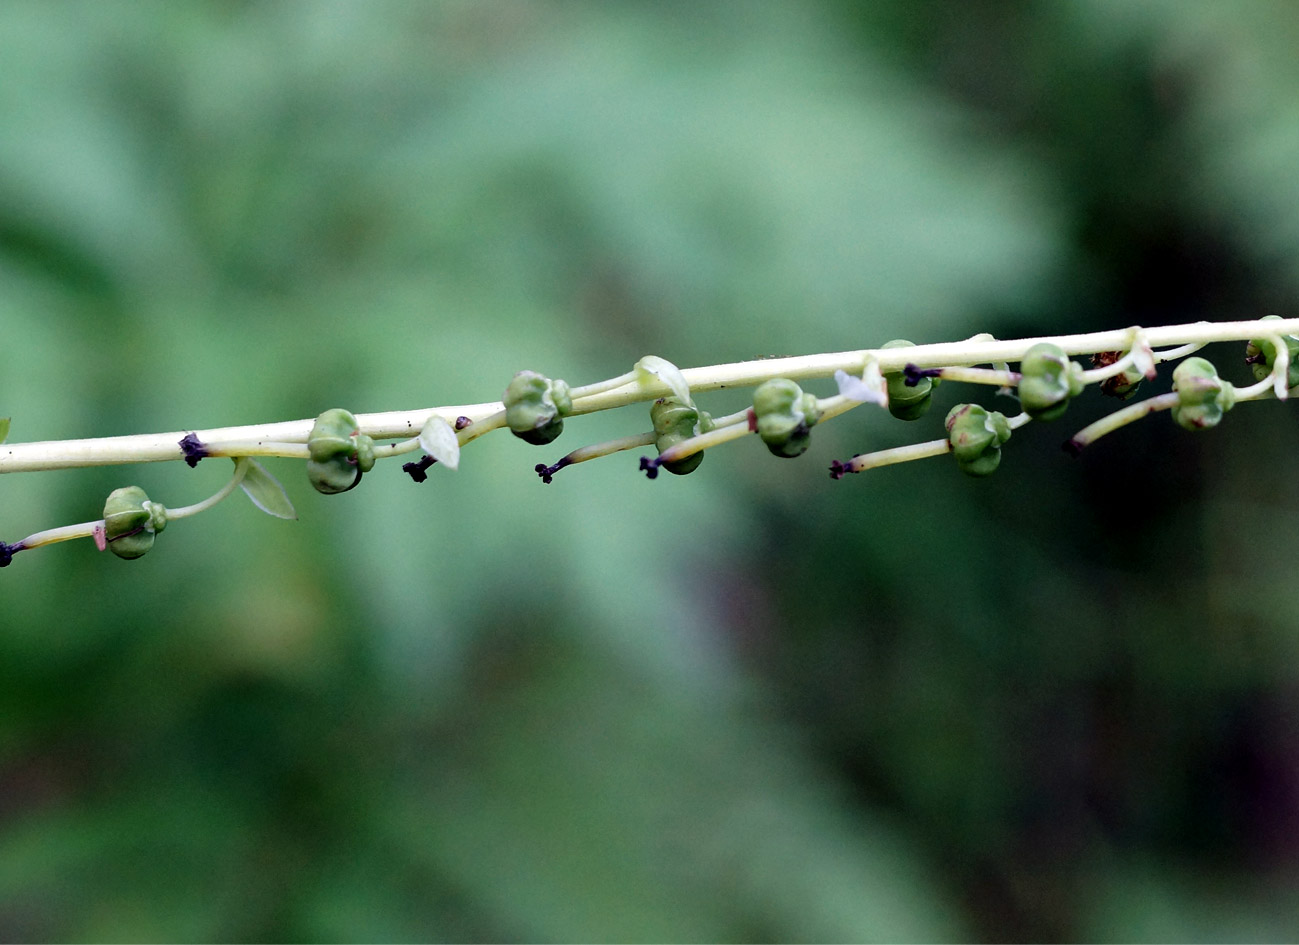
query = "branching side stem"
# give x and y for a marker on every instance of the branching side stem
(287, 438)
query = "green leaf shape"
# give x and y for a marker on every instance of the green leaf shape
(439, 440)
(265, 490)
(4, 429)
(667, 372)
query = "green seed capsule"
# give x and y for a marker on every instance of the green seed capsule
(908, 403)
(131, 522)
(674, 422)
(1048, 378)
(785, 416)
(1202, 396)
(340, 453)
(1260, 355)
(535, 407)
(976, 435)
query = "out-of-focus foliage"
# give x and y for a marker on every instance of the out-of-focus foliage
(750, 703)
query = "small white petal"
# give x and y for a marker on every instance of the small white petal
(665, 371)
(1143, 359)
(866, 390)
(439, 440)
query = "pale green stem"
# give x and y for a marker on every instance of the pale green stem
(730, 418)
(1264, 388)
(905, 454)
(470, 432)
(1281, 368)
(400, 448)
(1095, 375)
(1129, 360)
(974, 375)
(1274, 384)
(490, 422)
(87, 529)
(595, 451)
(697, 444)
(1173, 354)
(232, 449)
(831, 407)
(586, 390)
(740, 424)
(1120, 418)
(18, 457)
(65, 533)
(898, 454)
(185, 511)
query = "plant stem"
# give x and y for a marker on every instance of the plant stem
(595, 451)
(235, 448)
(1119, 418)
(628, 388)
(703, 441)
(905, 454)
(185, 511)
(898, 454)
(87, 529)
(63, 533)
(973, 375)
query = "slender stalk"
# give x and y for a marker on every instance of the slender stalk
(697, 444)
(587, 390)
(1173, 354)
(185, 511)
(486, 424)
(400, 448)
(898, 454)
(236, 448)
(973, 375)
(830, 408)
(626, 389)
(733, 418)
(63, 533)
(1119, 418)
(87, 529)
(1265, 388)
(1095, 375)
(595, 451)
(905, 454)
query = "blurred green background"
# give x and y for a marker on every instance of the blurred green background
(750, 704)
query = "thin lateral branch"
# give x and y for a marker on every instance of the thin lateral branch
(967, 375)
(898, 454)
(63, 533)
(185, 511)
(163, 447)
(594, 451)
(752, 373)
(1119, 418)
(233, 449)
(696, 444)
(905, 454)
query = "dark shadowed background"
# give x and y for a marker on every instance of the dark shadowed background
(749, 704)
